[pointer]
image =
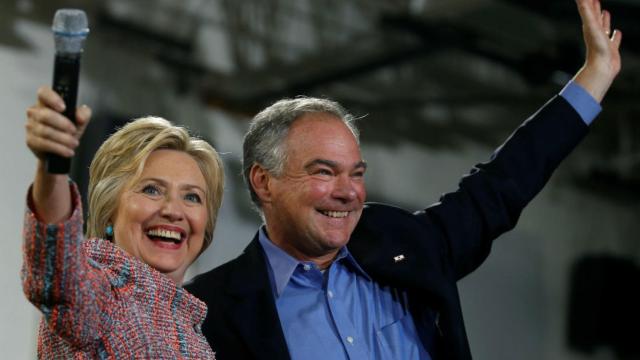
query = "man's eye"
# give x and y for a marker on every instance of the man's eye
(193, 197)
(324, 172)
(151, 190)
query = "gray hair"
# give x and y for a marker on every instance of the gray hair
(264, 142)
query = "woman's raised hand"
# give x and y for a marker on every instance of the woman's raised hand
(48, 131)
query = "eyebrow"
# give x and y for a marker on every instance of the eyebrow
(164, 183)
(333, 164)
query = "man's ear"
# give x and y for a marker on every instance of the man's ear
(260, 180)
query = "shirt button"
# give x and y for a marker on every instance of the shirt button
(350, 339)
(306, 267)
(330, 293)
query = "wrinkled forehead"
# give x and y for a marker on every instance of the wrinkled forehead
(327, 117)
(321, 136)
(173, 167)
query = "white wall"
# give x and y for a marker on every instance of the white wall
(21, 73)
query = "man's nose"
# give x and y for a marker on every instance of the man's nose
(344, 189)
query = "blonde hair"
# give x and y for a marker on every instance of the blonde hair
(121, 158)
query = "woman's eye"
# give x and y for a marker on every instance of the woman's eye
(150, 190)
(193, 198)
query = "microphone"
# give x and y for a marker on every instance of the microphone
(70, 29)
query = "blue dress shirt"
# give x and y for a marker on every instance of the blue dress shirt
(341, 313)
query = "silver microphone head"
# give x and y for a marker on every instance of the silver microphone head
(70, 29)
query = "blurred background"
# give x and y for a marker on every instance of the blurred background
(438, 84)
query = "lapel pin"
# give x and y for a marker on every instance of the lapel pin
(398, 258)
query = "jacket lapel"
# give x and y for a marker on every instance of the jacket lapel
(390, 252)
(252, 308)
(392, 255)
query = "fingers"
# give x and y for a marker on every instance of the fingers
(616, 38)
(593, 16)
(51, 118)
(43, 139)
(47, 131)
(606, 22)
(597, 26)
(83, 116)
(40, 146)
(49, 98)
(603, 60)
(587, 11)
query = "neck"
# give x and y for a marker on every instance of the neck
(176, 276)
(322, 259)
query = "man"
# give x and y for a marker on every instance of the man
(328, 277)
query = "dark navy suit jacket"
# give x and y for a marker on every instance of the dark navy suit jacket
(440, 245)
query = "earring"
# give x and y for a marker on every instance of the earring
(109, 231)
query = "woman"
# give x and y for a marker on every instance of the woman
(154, 194)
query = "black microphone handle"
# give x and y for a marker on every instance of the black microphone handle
(66, 71)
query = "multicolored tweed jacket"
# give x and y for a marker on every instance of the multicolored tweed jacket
(99, 302)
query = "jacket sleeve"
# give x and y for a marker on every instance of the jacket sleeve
(60, 280)
(489, 200)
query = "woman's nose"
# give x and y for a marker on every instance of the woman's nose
(171, 208)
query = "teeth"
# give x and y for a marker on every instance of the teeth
(174, 235)
(336, 214)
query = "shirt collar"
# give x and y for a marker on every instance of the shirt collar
(282, 265)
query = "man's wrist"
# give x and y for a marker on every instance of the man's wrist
(596, 77)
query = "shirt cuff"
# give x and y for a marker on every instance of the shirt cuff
(76, 206)
(584, 104)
